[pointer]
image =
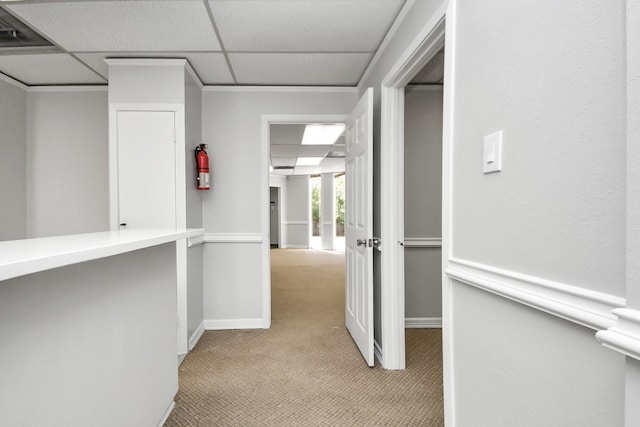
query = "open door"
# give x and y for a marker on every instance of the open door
(359, 240)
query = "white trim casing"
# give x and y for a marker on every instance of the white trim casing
(425, 45)
(582, 306)
(226, 324)
(195, 337)
(423, 322)
(295, 222)
(624, 335)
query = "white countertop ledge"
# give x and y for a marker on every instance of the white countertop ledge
(22, 257)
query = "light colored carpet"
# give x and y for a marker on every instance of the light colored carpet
(306, 370)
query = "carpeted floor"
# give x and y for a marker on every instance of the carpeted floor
(306, 370)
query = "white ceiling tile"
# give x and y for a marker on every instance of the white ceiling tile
(332, 162)
(284, 151)
(299, 69)
(281, 134)
(98, 26)
(43, 69)
(283, 161)
(211, 67)
(314, 150)
(303, 26)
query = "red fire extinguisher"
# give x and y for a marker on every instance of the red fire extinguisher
(202, 162)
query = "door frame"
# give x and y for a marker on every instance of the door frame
(181, 199)
(267, 120)
(424, 46)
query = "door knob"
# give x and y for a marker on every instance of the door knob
(361, 242)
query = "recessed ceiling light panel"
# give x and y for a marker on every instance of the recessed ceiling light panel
(322, 134)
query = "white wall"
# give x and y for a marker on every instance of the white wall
(423, 201)
(13, 161)
(139, 83)
(67, 176)
(232, 126)
(517, 366)
(298, 211)
(92, 343)
(551, 76)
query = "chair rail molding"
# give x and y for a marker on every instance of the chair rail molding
(422, 242)
(233, 238)
(582, 306)
(624, 335)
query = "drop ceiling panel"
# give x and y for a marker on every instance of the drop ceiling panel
(314, 150)
(284, 151)
(211, 67)
(283, 161)
(286, 134)
(299, 68)
(304, 26)
(42, 69)
(99, 26)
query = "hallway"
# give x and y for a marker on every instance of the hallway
(306, 370)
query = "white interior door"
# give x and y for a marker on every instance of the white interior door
(146, 169)
(359, 225)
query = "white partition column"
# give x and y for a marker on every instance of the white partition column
(328, 212)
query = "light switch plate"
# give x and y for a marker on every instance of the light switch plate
(492, 154)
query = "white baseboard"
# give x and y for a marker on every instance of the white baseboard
(223, 324)
(181, 357)
(195, 337)
(423, 322)
(296, 247)
(377, 350)
(166, 414)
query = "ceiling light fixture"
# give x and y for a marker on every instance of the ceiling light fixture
(325, 134)
(308, 161)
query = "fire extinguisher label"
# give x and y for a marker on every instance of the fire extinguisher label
(203, 180)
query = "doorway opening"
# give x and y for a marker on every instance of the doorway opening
(274, 217)
(417, 63)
